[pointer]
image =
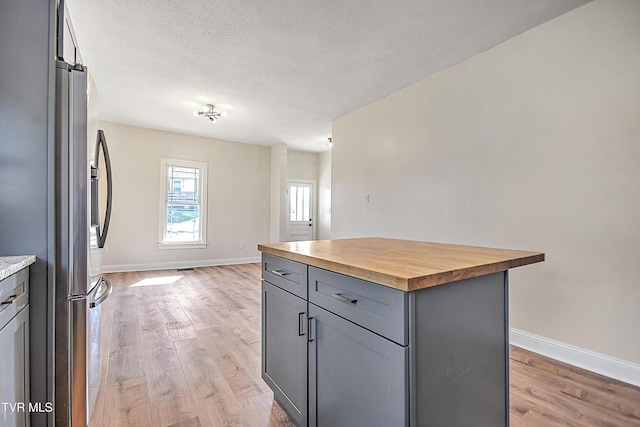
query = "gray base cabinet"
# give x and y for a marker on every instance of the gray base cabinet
(356, 377)
(14, 364)
(340, 351)
(459, 353)
(284, 349)
(14, 350)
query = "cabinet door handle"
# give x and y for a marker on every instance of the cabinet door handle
(300, 324)
(280, 273)
(309, 319)
(11, 299)
(344, 299)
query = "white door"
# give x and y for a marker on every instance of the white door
(300, 195)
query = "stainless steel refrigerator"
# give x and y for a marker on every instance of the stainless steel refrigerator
(81, 225)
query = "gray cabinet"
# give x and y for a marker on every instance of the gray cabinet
(358, 353)
(325, 370)
(356, 377)
(371, 355)
(284, 349)
(459, 353)
(14, 350)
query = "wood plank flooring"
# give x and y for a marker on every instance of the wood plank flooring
(182, 348)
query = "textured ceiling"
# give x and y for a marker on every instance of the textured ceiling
(282, 69)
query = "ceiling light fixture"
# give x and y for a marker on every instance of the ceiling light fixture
(210, 113)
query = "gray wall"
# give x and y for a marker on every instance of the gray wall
(25, 135)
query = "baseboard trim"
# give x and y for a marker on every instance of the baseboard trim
(602, 364)
(121, 268)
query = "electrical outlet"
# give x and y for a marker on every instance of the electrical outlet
(367, 198)
(241, 245)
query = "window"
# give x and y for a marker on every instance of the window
(183, 204)
(300, 202)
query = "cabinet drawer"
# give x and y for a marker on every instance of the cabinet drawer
(289, 275)
(378, 308)
(14, 295)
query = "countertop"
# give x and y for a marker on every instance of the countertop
(13, 264)
(406, 265)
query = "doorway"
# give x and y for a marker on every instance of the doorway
(300, 210)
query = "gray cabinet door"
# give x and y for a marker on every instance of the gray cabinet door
(356, 377)
(14, 371)
(284, 349)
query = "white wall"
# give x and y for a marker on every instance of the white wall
(302, 165)
(324, 195)
(314, 167)
(533, 145)
(278, 178)
(239, 198)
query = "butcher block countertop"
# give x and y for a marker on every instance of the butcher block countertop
(406, 265)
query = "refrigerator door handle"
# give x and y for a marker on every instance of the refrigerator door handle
(97, 301)
(95, 203)
(101, 143)
(60, 31)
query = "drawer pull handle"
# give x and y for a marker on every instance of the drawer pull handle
(309, 338)
(280, 273)
(300, 324)
(345, 299)
(11, 299)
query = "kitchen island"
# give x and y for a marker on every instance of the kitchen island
(387, 332)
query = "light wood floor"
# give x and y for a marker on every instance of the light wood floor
(182, 348)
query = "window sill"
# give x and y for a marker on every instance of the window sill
(182, 245)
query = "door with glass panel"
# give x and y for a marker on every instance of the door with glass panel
(300, 210)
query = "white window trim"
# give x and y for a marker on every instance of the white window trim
(162, 229)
